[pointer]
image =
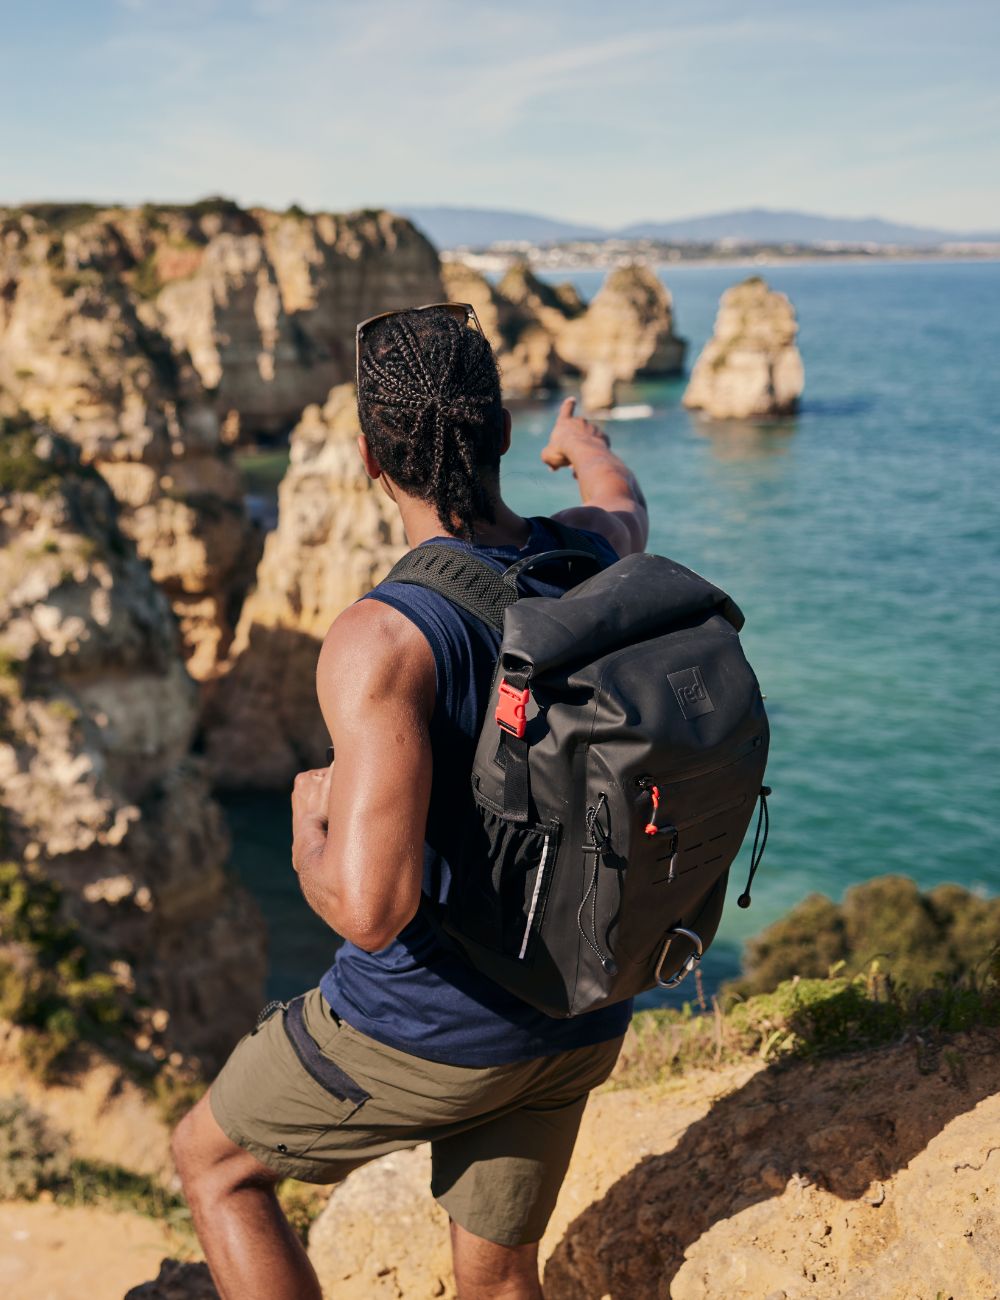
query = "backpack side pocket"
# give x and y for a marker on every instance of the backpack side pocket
(504, 881)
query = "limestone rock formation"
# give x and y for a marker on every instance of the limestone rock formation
(105, 1114)
(546, 334)
(337, 536)
(627, 330)
(750, 368)
(525, 347)
(381, 1235)
(142, 332)
(99, 791)
(269, 311)
(78, 350)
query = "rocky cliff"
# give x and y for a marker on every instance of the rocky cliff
(544, 334)
(152, 336)
(268, 304)
(871, 1177)
(750, 368)
(81, 349)
(99, 792)
(337, 535)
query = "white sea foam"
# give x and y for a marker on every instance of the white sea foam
(638, 412)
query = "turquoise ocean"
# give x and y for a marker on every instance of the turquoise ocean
(861, 540)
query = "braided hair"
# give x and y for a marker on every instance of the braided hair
(430, 408)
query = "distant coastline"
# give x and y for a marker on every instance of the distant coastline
(603, 256)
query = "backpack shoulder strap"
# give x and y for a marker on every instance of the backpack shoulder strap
(466, 580)
(474, 584)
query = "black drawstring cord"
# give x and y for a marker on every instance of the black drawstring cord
(599, 838)
(764, 817)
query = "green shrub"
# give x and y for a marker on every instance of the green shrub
(11, 671)
(145, 278)
(33, 1155)
(92, 1182)
(947, 932)
(64, 216)
(64, 710)
(50, 984)
(21, 468)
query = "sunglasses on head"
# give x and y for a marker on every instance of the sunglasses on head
(464, 313)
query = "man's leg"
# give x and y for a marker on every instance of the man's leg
(252, 1251)
(486, 1271)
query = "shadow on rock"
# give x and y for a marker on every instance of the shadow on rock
(841, 1127)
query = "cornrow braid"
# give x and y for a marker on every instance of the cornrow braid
(430, 408)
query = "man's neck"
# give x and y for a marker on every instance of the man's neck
(421, 522)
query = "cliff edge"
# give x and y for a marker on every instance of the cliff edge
(872, 1176)
(112, 840)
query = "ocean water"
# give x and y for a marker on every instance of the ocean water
(861, 540)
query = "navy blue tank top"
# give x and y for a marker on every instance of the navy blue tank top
(417, 994)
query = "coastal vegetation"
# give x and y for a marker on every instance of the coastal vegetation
(888, 964)
(811, 1018)
(52, 986)
(21, 468)
(946, 934)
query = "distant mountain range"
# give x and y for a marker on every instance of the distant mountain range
(451, 227)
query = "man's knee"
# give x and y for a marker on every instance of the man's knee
(207, 1160)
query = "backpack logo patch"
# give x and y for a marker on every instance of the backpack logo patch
(691, 692)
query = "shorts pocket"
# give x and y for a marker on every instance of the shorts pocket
(326, 1072)
(506, 871)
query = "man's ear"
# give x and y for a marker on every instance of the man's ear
(372, 468)
(505, 437)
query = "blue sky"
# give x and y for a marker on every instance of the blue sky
(608, 112)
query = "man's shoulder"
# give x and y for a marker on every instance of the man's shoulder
(604, 525)
(376, 649)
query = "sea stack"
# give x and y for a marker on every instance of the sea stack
(750, 368)
(545, 335)
(100, 796)
(338, 534)
(628, 330)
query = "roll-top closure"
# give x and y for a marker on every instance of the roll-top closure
(639, 597)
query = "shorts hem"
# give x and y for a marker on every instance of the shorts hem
(480, 1228)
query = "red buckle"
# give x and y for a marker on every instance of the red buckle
(511, 709)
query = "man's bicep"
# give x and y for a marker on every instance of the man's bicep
(376, 687)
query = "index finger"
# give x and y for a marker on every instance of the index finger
(567, 408)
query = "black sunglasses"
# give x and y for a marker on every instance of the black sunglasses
(464, 313)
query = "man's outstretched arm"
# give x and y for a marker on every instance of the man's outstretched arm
(613, 503)
(358, 827)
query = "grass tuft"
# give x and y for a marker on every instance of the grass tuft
(808, 1019)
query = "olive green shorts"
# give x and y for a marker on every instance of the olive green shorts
(312, 1098)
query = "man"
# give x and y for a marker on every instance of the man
(404, 1041)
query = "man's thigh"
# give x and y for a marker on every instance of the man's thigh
(288, 1095)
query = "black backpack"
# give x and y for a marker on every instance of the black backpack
(615, 777)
